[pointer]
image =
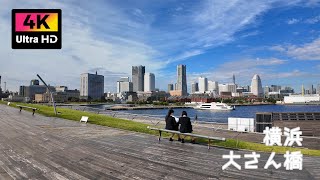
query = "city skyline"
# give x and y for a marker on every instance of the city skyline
(277, 39)
(207, 83)
(92, 88)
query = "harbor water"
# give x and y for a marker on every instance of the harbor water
(222, 116)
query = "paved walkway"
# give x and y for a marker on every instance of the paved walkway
(37, 147)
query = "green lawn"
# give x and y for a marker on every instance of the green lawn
(104, 120)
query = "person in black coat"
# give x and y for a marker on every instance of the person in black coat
(185, 125)
(171, 124)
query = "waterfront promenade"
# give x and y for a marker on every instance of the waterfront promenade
(38, 147)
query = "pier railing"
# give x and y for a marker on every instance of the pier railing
(203, 124)
(153, 119)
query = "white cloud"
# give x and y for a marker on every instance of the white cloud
(102, 35)
(308, 51)
(278, 48)
(247, 64)
(313, 20)
(113, 37)
(312, 3)
(293, 21)
(244, 69)
(82, 51)
(185, 55)
(290, 74)
(253, 33)
(219, 21)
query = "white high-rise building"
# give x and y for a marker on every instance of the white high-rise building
(256, 86)
(213, 86)
(149, 82)
(227, 88)
(203, 84)
(123, 85)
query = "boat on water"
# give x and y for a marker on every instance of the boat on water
(215, 106)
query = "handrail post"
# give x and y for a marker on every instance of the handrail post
(159, 135)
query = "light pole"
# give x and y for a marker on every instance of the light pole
(53, 103)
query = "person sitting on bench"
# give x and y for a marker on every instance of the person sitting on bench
(171, 124)
(185, 126)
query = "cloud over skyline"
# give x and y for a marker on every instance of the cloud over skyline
(307, 51)
(111, 36)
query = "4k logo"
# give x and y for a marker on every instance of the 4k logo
(28, 22)
(36, 29)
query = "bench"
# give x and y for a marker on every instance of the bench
(27, 107)
(187, 134)
(84, 119)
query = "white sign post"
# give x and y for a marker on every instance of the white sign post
(84, 119)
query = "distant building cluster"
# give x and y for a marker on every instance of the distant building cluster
(227, 90)
(142, 87)
(41, 94)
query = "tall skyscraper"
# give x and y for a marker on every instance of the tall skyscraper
(194, 87)
(203, 84)
(170, 87)
(312, 89)
(234, 79)
(138, 78)
(256, 86)
(91, 85)
(149, 82)
(182, 79)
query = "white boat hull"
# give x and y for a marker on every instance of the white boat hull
(215, 106)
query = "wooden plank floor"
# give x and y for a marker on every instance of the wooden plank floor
(37, 147)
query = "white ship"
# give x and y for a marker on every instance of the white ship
(215, 106)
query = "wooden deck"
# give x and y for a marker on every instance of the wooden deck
(37, 147)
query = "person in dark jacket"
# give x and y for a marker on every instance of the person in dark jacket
(185, 125)
(171, 124)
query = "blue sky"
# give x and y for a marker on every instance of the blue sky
(277, 39)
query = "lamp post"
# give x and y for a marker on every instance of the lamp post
(53, 102)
